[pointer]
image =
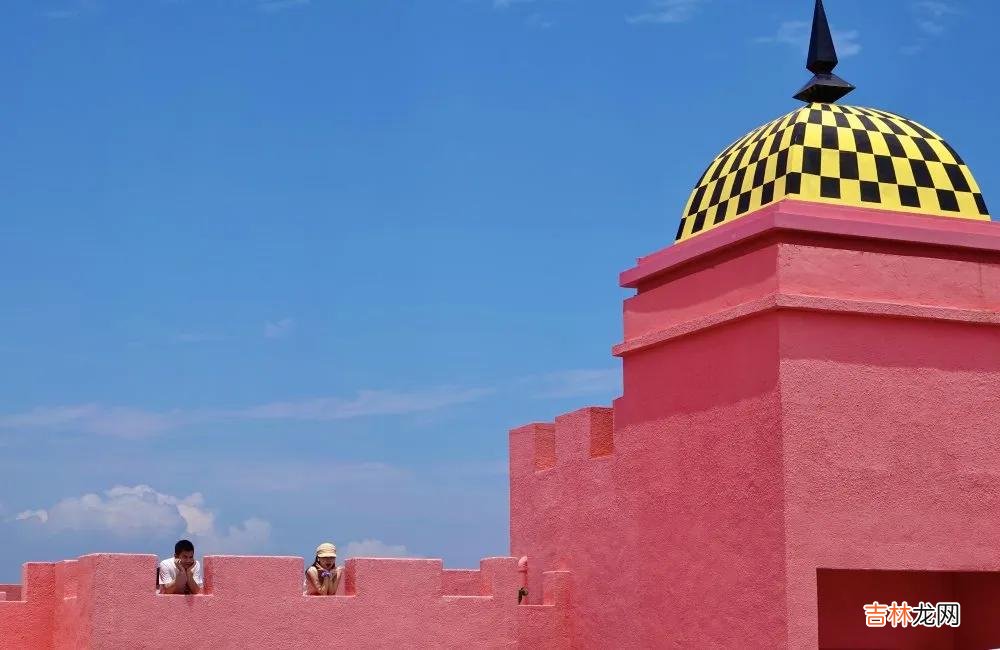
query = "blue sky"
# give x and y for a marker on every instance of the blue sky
(278, 272)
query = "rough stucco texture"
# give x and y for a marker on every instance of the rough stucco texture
(890, 426)
(809, 419)
(108, 601)
(683, 516)
(28, 623)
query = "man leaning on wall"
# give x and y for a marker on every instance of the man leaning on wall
(180, 574)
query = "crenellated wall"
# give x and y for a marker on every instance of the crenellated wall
(28, 623)
(108, 601)
(563, 506)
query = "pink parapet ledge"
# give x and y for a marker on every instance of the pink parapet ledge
(824, 219)
(805, 303)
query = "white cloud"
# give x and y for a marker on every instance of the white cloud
(796, 34)
(373, 548)
(141, 511)
(574, 383)
(367, 402)
(252, 536)
(127, 422)
(116, 421)
(936, 8)
(279, 329)
(124, 511)
(27, 515)
(304, 475)
(667, 11)
(930, 18)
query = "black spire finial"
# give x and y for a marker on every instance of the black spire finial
(822, 54)
(824, 86)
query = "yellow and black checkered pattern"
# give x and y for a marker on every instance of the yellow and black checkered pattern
(835, 154)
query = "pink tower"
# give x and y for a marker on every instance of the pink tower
(810, 411)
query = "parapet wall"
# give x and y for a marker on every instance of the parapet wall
(10, 592)
(563, 508)
(108, 601)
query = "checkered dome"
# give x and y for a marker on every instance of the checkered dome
(835, 154)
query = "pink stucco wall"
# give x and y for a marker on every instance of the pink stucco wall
(560, 503)
(651, 532)
(808, 423)
(461, 582)
(27, 623)
(809, 389)
(108, 601)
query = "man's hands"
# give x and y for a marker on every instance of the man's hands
(189, 570)
(184, 581)
(183, 574)
(185, 570)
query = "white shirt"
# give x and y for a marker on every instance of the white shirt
(168, 572)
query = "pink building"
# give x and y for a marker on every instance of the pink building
(808, 426)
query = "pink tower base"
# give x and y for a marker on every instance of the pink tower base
(809, 421)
